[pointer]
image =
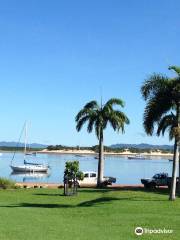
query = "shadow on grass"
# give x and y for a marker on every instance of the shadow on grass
(98, 201)
(91, 203)
(49, 194)
(162, 191)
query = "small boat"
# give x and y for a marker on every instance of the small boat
(31, 154)
(78, 155)
(28, 166)
(137, 156)
(170, 160)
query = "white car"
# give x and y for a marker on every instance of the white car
(90, 177)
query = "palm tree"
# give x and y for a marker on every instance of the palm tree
(98, 116)
(169, 122)
(162, 95)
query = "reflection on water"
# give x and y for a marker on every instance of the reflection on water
(126, 171)
(30, 177)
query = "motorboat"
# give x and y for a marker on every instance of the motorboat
(79, 155)
(137, 156)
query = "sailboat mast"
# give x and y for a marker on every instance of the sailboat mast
(25, 141)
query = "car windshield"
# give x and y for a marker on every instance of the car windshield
(156, 176)
(92, 174)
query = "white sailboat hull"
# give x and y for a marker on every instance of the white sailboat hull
(29, 168)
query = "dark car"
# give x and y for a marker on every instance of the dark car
(159, 179)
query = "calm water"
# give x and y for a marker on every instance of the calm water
(126, 171)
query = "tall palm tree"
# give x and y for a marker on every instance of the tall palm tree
(162, 95)
(169, 122)
(98, 116)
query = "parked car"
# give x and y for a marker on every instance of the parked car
(159, 179)
(90, 177)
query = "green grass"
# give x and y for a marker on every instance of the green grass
(92, 215)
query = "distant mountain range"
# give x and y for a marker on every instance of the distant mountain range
(119, 145)
(142, 146)
(15, 144)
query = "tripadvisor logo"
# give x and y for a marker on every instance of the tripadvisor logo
(139, 231)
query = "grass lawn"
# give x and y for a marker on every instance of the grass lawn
(94, 214)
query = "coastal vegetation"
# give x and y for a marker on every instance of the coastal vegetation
(7, 183)
(162, 96)
(109, 149)
(98, 117)
(92, 214)
(20, 149)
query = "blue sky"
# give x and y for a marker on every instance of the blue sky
(56, 55)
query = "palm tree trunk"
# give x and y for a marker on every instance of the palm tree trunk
(176, 157)
(174, 172)
(178, 186)
(178, 117)
(101, 160)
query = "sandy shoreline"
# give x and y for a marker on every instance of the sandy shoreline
(89, 152)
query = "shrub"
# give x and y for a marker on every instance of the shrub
(7, 183)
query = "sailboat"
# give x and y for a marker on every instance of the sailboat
(28, 166)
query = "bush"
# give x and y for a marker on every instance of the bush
(7, 184)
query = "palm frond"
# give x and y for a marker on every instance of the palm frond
(97, 128)
(175, 68)
(81, 122)
(84, 112)
(117, 120)
(114, 101)
(91, 105)
(166, 122)
(153, 84)
(171, 133)
(155, 108)
(91, 123)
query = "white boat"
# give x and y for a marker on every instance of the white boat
(27, 166)
(30, 168)
(137, 156)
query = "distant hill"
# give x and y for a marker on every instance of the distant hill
(14, 144)
(142, 146)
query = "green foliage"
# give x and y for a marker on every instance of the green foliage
(162, 94)
(20, 149)
(72, 171)
(62, 147)
(98, 117)
(7, 184)
(107, 149)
